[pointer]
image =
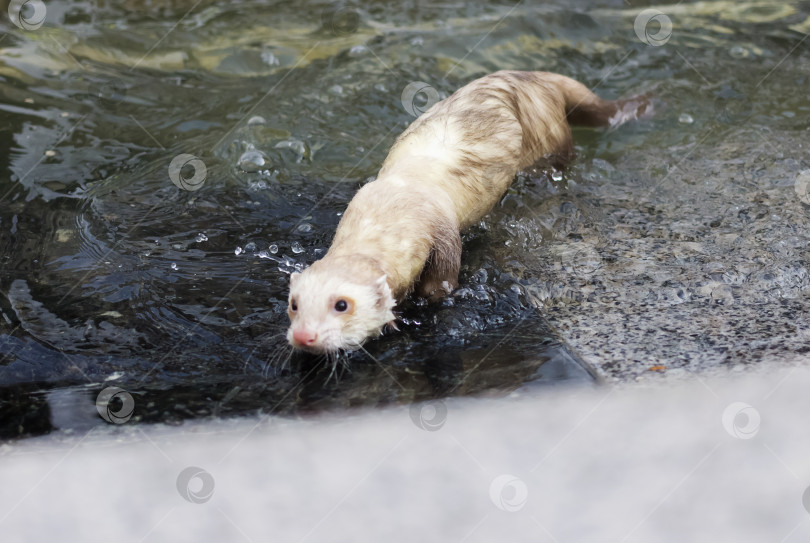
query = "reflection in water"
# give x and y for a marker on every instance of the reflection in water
(115, 272)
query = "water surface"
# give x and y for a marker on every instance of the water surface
(112, 275)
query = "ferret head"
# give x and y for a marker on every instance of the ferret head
(336, 304)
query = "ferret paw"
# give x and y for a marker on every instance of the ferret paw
(434, 292)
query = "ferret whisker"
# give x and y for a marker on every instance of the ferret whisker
(335, 359)
(287, 359)
(345, 361)
(275, 357)
(334, 368)
(325, 359)
(267, 337)
(338, 358)
(390, 327)
(278, 353)
(268, 363)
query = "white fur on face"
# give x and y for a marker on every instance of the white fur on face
(315, 294)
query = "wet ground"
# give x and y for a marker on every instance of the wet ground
(677, 243)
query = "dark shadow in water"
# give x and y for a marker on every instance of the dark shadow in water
(404, 367)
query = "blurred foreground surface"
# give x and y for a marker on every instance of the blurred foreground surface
(704, 461)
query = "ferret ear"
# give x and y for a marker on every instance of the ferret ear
(294, 277)
(384, 296)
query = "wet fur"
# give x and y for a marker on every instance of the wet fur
(445, 172)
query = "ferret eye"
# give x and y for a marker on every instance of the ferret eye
(341, 306)
(293, 306)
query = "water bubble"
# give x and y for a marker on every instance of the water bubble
(258, 185)
(263, 254)
(802, 186)
(297, 146)
(250, 247)
(556, 175)
(174, 266)
(251, 161)
(482, 295)
(463, 293)
(306, 227)
(237, 251)
(357, 50)
(201, 237)
(685, 118)
(269, 58)
(738, 51)
(273, 248)
(296, 248)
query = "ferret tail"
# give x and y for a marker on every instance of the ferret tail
(584, 108)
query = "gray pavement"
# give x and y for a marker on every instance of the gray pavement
(702, 269)
(720, 458)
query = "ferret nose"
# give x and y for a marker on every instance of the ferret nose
(302, 336)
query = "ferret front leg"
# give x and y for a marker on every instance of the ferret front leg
(440, 275)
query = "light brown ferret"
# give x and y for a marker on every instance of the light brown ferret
(445, 172)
